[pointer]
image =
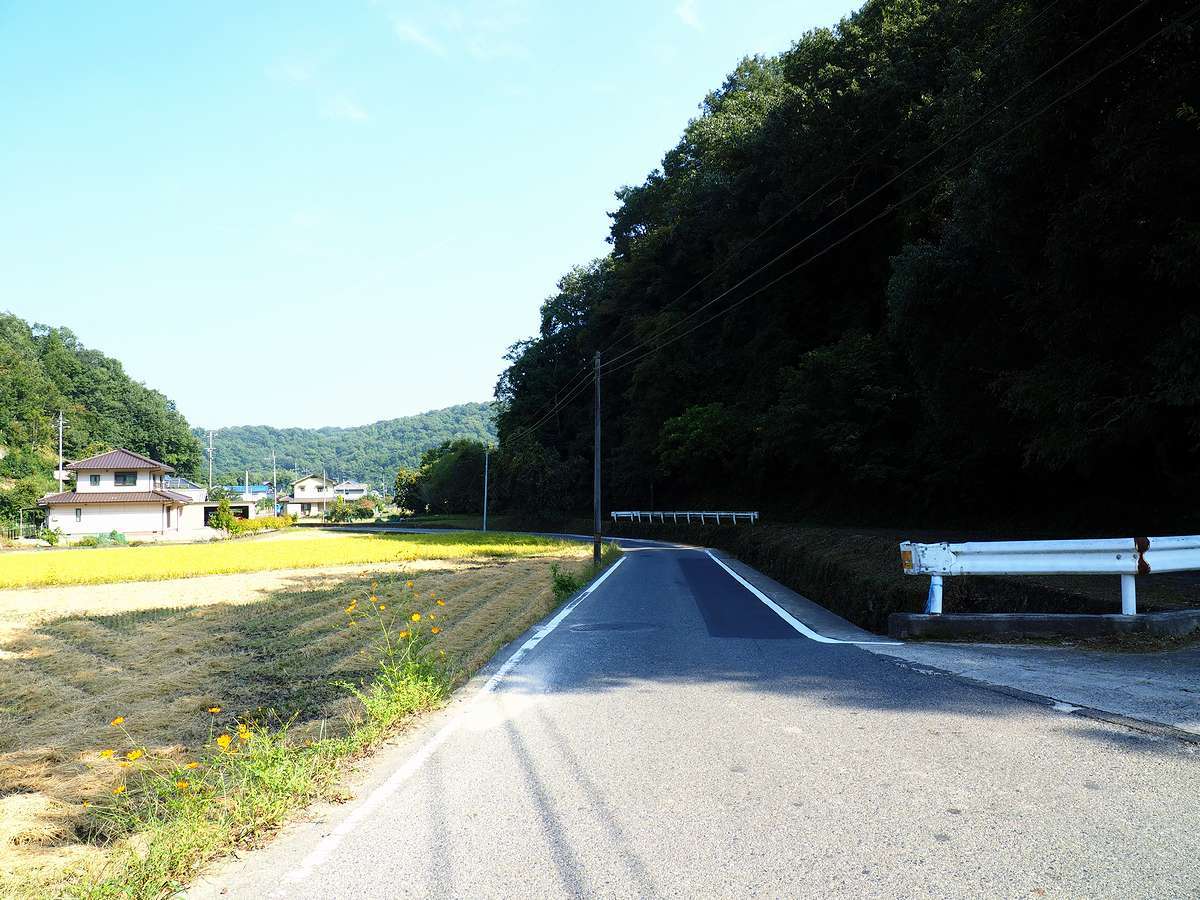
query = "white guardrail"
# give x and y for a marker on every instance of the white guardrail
(685, 516)
(1126, 557)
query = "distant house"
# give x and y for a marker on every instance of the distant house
(352, 490)
(311, 496)
(138, 496)
(117, 491)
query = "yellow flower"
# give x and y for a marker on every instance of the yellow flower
(435, 630)
(441, 653)
(192, 765)
(182, 784)
(243, 733)
(119, 720)
(350, 609)
(416, 617)
(408, 584)
(224, 741)
(124, 765)
(383, 606)
(106, 754)
(441, 603)
(402, 634)
(119, 789)
(86, 804)
(214, 710)
(373, 599)
(134, 754)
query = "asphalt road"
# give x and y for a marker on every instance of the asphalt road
(674, 736)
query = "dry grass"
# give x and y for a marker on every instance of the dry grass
(165, 561)
(161, 654)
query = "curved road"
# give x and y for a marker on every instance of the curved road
(670, 734)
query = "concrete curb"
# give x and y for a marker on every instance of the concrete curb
(1146, 726)
(1176, 623)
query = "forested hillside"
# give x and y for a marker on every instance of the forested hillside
(371, 453)
(941, 260)
(44, 370)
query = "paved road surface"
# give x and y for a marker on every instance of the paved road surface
(673, 736)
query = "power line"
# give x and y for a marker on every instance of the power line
(569, 389)
(892, 207)
(980, 119)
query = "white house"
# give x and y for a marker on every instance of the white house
(138, 496)
(117, 491)
(352, 490)
(311, 496)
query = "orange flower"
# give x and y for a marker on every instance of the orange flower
(106, 754)
(224, 741)
(119, 789)
(214, 710)
(441, 603)
(435, 630)
(416, 617)
(192, 765)
(182, 784)
(119, 720)
(402, 634)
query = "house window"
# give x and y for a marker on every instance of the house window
(94, 480)
(320, 488)
(78, 514)
(125, 479)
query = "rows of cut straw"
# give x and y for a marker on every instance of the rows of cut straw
(285, 656)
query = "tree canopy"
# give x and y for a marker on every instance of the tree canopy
(44, 370)
(940, 258)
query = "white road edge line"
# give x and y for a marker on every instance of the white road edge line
(788, 617)
(321, 853)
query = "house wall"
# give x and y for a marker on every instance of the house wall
(128, 518)
(317, 506)
(146, 481)
(312, 489)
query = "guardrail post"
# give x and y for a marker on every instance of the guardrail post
(1128, 596)
(933, 603)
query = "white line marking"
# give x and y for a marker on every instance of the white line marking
(787, 616)
(320, 854)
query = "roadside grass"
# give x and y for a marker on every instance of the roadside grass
(161, 562)
(302, 681)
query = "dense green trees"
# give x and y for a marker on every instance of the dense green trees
(370, 453)
(979, 295)
(44, 370)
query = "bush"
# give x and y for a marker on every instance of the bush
(51, 535)
(223, 519)
(262, 523)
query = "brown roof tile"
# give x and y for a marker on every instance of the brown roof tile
(120, 459)
(88, 497)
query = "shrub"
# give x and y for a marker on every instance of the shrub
(51, 535)
(262, 523)
(223, 519)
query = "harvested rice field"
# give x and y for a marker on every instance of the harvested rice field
(261, 647)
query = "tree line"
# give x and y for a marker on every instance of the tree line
(45, 370)
(939, 261)
(370, 453)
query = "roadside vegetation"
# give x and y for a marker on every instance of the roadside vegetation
(159, 562)
(139, 739)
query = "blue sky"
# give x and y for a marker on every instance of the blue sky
(334, 213)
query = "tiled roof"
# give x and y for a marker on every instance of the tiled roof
(88, 497)
(120, 459)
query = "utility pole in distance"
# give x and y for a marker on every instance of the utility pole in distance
(596, 474)
(487, 449)
(210, 458)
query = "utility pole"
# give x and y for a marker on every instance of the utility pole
(59, 473)
(210, 458)
(596, 474)
(486, 450)
(274, 485)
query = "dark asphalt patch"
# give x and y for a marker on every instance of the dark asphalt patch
(729, 610)
(615, 626)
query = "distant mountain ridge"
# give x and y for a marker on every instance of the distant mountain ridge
(370, 453)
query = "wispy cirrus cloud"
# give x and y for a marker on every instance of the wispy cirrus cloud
(686, 10)
(483, 29)
(344, 108)
(410, 33)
